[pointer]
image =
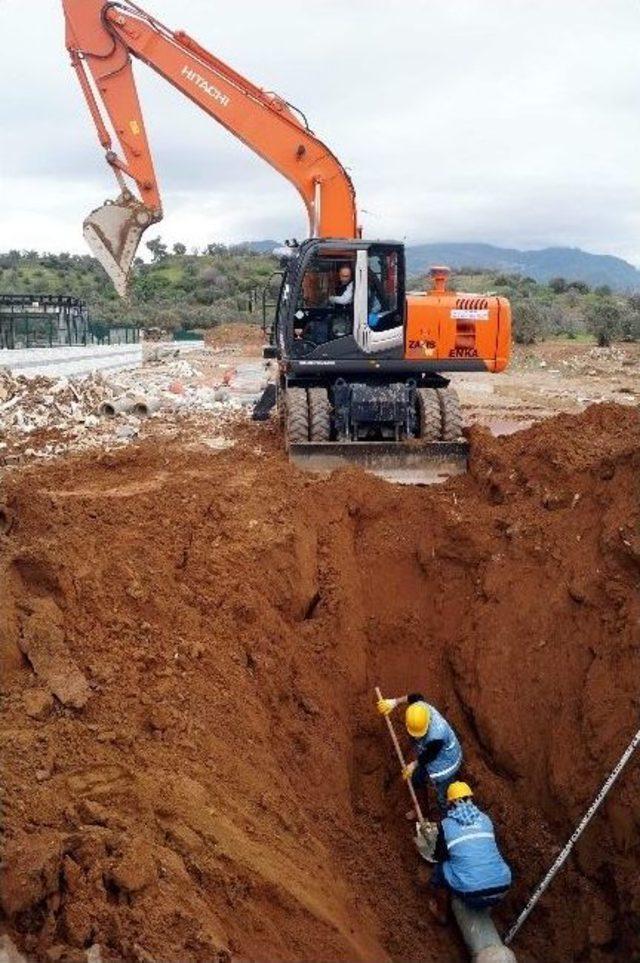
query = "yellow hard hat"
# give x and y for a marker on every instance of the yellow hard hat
(417, 719)
(458, 790)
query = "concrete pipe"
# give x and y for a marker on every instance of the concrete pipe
(143, 407)
(479, 933)
(115, 406)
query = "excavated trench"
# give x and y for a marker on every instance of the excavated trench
(190, 641)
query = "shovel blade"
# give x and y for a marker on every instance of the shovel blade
(113, 234)
(405, 463)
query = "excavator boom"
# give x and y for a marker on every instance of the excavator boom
(102, 38)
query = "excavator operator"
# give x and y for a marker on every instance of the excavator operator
(345, 286)
(342, 301)
(323, 317)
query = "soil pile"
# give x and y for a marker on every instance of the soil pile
(190, 640)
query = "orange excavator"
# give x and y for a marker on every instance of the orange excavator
(361, 363)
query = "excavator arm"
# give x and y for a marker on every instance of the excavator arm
(102, 37)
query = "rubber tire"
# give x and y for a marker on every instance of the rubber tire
(429, 414)
(451, 414)
(296, 421)
(319, 414)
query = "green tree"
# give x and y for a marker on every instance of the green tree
(216, 250)
(603, 319)
(157, 248)
(179, 249)
(630, 325)
(580, 287)
(558, 285)
(530, 321)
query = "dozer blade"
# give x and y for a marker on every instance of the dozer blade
(406, 463)
(113, 233)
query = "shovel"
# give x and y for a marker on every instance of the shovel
(426, 832)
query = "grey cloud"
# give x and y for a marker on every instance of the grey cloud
(486, 120)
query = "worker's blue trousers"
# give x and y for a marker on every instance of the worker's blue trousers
(480, 900)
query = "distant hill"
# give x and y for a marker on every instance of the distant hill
(567, 262)
(261, 247)
(549, 262)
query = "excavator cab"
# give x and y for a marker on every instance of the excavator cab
(341, 302)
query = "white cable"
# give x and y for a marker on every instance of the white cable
(586, 819)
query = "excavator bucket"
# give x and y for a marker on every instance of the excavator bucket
(113, 234)
(405, 463)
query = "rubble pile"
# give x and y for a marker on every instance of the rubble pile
(184, 384)
(617, 359)
(36, 410)
(44, 417)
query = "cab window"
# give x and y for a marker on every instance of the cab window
(383, 283)
(324, 305)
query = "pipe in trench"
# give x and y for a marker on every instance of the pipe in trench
(480, 934)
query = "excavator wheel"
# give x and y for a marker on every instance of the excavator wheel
(429, 414)
(451, 414)
(296, 418)
(319, 414)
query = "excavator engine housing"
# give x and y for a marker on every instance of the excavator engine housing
(462, 332)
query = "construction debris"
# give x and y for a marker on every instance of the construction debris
(45, 417)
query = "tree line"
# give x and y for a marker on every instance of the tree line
(179, 289)
(195, 288)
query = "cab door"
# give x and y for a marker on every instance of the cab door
(378, 307)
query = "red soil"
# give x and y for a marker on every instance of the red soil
(190, 641)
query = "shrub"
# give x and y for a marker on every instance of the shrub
(530, 321)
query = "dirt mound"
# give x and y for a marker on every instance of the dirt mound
(189, 644)
(232, 335)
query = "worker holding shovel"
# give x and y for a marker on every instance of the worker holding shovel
(438, 750)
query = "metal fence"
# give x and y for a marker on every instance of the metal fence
(48, 320)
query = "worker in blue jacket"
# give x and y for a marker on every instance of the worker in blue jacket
(438, 751)
(468, 862)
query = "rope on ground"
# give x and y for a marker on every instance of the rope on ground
(586, 819)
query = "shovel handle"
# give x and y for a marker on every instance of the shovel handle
(402, 762)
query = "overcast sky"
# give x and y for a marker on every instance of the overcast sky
(514, 122)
